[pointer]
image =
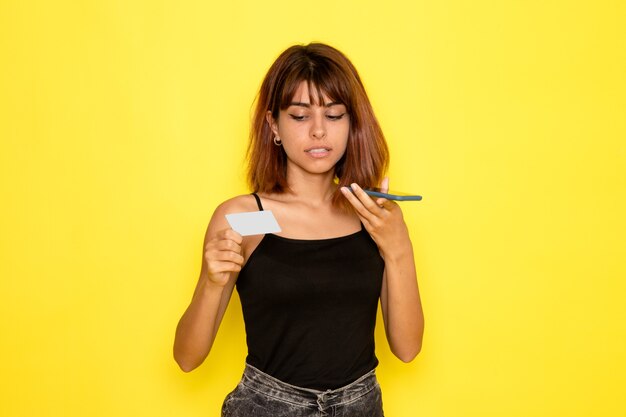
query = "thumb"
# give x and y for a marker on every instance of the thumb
(384, 185)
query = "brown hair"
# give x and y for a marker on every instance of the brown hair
(328, 72)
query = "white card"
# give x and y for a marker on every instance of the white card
(253, 223)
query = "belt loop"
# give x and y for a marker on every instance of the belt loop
(321, 399)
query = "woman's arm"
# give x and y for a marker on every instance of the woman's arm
(400, 299)
(401, 306)
(221, 262)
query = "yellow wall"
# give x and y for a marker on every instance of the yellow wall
(123, 125)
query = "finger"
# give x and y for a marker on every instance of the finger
(229, 256)
(384, 185)
(228, 245)
(222, 251)
(366, 224)
(361, 210)
(216, 267)
(383, 203)
(217, 244)
(365, 199)
(230, 234)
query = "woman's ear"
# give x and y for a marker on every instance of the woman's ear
(272, 122)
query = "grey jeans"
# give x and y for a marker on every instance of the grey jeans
(261, 395)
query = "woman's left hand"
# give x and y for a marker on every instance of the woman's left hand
(382, 218)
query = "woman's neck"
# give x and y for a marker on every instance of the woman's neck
(316, 189)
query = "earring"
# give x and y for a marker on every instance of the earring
(277, 141)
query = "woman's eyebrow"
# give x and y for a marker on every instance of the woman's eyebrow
(300, 104)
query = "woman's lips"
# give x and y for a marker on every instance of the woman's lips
(318, 152)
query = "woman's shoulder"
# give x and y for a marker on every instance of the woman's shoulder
(238, 204)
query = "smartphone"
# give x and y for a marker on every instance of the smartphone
(390, 195)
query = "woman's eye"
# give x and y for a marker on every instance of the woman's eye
(335, 117)
(297, 117)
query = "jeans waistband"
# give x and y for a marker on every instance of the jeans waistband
(257, 380)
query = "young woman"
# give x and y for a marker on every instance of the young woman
(310, 293)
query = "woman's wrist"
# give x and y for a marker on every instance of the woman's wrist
(398, 254)
(210, 289)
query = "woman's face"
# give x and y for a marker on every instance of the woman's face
(314, 136)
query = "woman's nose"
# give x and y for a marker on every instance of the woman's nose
(318, 130)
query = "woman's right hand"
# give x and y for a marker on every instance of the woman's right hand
(222, 255)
